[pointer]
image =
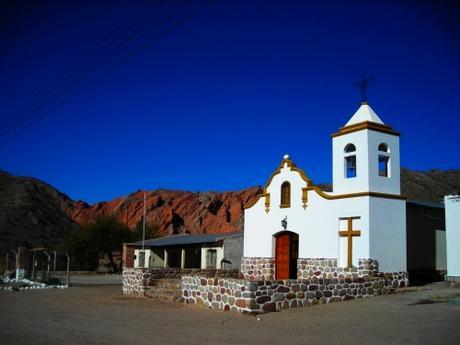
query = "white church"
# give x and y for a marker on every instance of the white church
(294, 226)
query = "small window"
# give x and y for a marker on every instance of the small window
(211, 258)
(383, 147)
(350, 148)
(285, 194)
(350, 166)
(383, 165)
(141, 262)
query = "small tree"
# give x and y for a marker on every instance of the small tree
(78, 245)
(151, 231)
(108, 235)
(75, 243)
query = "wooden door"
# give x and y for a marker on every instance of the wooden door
(282, 256)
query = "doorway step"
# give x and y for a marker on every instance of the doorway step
(164, 290)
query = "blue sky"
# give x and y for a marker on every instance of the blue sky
(216, 102)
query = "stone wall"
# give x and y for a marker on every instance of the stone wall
(138, 281)
(328, 269)
(257, 268)
(266, 296)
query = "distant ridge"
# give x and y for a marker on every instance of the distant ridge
(32, 213)
(430, 185)
(36, 214)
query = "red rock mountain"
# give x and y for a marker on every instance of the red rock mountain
(34, 213)
(175, 212)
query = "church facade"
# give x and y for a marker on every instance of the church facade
(302, 245)
(294, 230)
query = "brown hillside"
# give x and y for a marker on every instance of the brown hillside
(32, 213)
(36, 214)
(430, 185)
(176, 212)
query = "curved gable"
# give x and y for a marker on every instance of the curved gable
(287, 171)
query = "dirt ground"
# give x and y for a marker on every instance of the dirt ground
(99, 314)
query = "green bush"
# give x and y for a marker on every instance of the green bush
(17, 286)
(52, 281)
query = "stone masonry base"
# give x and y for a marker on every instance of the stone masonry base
(257, 297)
(140, 281)
(263, 268)
(319, 281)
(259, 268)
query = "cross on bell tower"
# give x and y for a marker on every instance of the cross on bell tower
(363, 84)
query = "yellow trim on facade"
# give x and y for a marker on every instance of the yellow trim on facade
(365, 125)
(304, 197)
(293, 167)
(355, 195)
(311, 187)
(267, 202)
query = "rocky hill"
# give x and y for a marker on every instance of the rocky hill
(175, 212)
(430, 185)
(34, 213)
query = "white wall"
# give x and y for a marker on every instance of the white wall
(317, 225)
(367, 177)
(441, 258)
(360, 183)
(452, 207)
(382, 223)
(391, 184)
(388, 235)
(148, 261)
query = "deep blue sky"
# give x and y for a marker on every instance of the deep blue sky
(215, 103)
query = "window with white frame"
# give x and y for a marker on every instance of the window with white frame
(211, 258)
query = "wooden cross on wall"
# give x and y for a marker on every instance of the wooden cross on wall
(350, 233)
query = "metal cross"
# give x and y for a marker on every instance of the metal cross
(362, 84)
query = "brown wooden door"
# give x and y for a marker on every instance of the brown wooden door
(282, 256)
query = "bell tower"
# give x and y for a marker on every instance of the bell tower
(365, 155)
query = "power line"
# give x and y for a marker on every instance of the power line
(73, 82)
(183, 18)
(55, 92)
(70, 68)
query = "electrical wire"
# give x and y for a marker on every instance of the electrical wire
(139, 49)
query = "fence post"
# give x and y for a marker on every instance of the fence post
(48, 266)
(54, 265)
(33, 266)
(68, 268)
(17, 264)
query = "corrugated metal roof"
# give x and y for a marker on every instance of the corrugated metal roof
(175, 240)
(432, 204)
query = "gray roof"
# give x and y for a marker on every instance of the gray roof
(432, 204)
(175, 240)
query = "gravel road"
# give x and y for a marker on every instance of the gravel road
(101, 315)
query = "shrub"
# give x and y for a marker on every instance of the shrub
(52, 281)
